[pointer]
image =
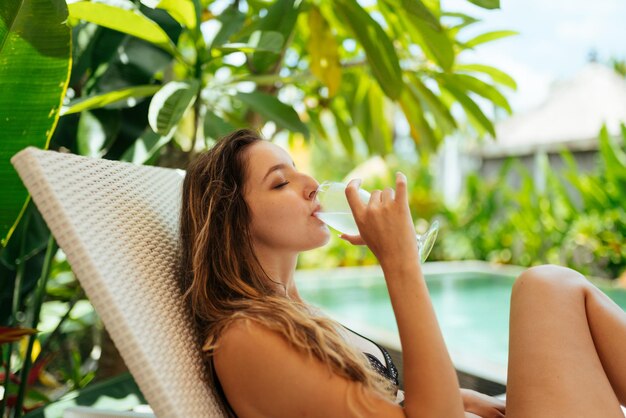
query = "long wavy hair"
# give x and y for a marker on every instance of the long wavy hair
(223, 280)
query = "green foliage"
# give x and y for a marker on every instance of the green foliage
(576, 219)
(34, 70)
(127, 20)
(338, 58)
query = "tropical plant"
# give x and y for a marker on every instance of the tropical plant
(576, 219)
(34, 70)
(336, 65)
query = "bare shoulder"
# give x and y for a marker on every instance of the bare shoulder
(247, 354)
(246, 337)
(241, 331)
(263, 375)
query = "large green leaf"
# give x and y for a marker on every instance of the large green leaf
(131, 22)
(487, 4)
(465, 21)
(343, 131)
(231, 21)
(280, 17)
(379, 49)
(34, 71)
(471, 108)
(467, 82)
(417, 9)
(269, 41)
(97, 131)
(380, 132)
(324, 52)
(170, 104)
(488, 37)
(145, 147)
(440, 111)
(216, 127)
(421, 132)
(183, 11)
(496, 75)
(270, 108)
(130, 95)
(436, 44)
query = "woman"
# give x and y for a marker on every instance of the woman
(247, 213)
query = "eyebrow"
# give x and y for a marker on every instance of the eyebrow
(273, 168)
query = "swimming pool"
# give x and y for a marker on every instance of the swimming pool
(471, 300)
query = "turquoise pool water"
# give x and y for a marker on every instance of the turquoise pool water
(472, 310)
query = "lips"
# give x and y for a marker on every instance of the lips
(316, 209)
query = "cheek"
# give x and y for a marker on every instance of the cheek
(270, 219)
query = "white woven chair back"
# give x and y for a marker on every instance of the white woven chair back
(117, 224)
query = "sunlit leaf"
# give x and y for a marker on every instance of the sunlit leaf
(472, 109)
(380, 132)
(466, 20)
(487, 4)
(344, 132)
(379, 50)
(270, 108)
(324, 52)
(170, 104)
(481, 88)
(489, 37)
(281, 17)
(232, 21)
(436, 44)
(130, 95)
(145, 147)
(96, 133)
(421, 132)
(182, 11)
(439, 110)
(269, 41)
(417, 9)
(131, 22)
(496, 75)
(216, 127)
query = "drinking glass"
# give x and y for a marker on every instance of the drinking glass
(336, 213)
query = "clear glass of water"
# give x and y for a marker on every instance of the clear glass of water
(336, 213)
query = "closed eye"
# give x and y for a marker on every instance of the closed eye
(281, 185)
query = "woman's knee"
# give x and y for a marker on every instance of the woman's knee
(548, 278)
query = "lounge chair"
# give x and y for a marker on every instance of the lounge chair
(117, 224)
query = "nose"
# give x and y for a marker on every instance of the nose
(311, 188)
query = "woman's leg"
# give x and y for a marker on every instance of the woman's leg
(567, 354)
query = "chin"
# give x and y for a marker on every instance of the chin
(319, 241)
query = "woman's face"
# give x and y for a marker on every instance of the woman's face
(281, 200)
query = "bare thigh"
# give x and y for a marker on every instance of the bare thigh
(555, 369)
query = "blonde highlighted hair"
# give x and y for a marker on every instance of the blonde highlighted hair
(223, 280)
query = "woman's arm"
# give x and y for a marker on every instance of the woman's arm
(385, 224)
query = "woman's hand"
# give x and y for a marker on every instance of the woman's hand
(384, 223)
(482, 405)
